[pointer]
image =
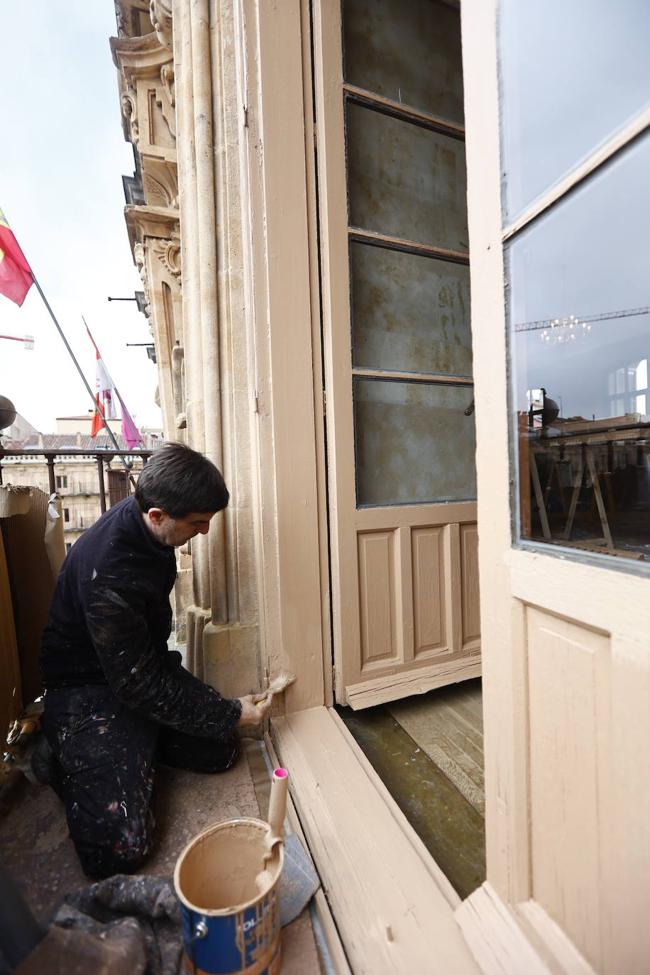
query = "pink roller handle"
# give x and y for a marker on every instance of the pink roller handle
(277, 807)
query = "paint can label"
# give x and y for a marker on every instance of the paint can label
(246, 942)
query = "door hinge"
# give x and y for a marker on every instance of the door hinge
(257, 403)
(324, 402)
(245, 116)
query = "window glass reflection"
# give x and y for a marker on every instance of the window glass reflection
(571, 75)
(414, 442)
(580, 334)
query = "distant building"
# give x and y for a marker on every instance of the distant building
(76, 477)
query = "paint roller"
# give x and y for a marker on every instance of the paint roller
(275, 831)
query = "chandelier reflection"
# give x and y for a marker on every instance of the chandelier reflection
(564, 330)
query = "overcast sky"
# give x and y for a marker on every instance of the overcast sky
(61, 163)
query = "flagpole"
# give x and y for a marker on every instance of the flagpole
(96, 405)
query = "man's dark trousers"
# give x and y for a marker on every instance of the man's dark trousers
(105, 761)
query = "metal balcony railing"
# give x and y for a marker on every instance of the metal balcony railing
(120, 481)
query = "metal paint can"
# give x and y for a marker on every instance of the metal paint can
(230, 914)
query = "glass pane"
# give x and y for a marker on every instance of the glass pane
(406, 181)
(579, 302)
(571, 75)
(414, 442)
(406, 50)
(409, 313)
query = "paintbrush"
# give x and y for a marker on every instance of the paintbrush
(277, 685)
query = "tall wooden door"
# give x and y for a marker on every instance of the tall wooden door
(558, 121)
(397, 346)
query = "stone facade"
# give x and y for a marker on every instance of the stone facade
(194, 303)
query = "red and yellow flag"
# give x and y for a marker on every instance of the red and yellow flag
(15, 273)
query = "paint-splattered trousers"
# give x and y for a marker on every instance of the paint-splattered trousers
(105, 758)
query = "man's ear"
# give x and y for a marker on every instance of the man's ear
(156, 516)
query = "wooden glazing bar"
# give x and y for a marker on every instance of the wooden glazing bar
(620, 140)
(360, 96)
(412, 377)
(408, 246)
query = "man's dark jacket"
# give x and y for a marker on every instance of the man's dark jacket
(109, 623)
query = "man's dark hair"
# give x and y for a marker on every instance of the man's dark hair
(180, 480)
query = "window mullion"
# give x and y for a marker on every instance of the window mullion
(639, 124)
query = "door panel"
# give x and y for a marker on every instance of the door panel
(428, 571)
(470, 587)
(569, 725)
(377, 598)
(397, 354)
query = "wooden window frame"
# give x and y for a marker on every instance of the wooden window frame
(544, 204)
(353, 94)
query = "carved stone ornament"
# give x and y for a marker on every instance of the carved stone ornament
(160, 192)
(168, 253)
(160, 12)
(140, 263)
(167, 78)
(130, 112)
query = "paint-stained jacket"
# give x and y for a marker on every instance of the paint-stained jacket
(109, 623)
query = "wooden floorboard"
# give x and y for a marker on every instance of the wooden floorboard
(447, 725)
(449, 826)
(391, 913)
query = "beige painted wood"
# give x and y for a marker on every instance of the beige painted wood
(497, 942)
(380, 592)
(393, 914)
(317, 354)
(566, 656)
(415, 516)
(277, 261)
(411, 377)
(471, 631)
(568, 675)
(551, 940)
(363, 96)
(504, 663)
(392, 687)
(337, 955)
(507, 941)
(428, 556)
(372, 236)
(626, 134)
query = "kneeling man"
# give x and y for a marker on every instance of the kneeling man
(117, 701)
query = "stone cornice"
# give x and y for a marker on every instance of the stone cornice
(148, 221)
(141, 61)
(141, 54)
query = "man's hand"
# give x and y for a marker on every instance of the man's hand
(254, 708)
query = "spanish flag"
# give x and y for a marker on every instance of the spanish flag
(15, 273)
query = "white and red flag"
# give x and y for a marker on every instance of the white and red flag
(106, 396)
